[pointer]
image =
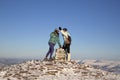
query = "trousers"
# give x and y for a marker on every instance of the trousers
(51, 49)
(66, 47)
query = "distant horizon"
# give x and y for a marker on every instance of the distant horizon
(43, 58)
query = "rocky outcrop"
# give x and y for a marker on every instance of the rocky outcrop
(54, 70)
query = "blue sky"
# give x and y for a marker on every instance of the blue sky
(25, 26)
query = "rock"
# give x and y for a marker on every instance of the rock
(55, 70)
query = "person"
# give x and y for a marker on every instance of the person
(54, 38)
(67, 39)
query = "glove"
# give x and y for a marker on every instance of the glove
(60, 28)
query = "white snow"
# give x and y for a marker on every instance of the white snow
(45, 70)
(111, 66)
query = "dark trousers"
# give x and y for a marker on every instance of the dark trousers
(51, 49)
(66, 47)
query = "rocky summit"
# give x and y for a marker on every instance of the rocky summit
(55, 70)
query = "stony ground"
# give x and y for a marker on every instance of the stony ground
(55, 70)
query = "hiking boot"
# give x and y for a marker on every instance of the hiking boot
(50, 59)
(45, 59)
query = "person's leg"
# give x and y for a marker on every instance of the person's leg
(48, 50)
(68, 52)
(65, 47)
(51, 49)
(68, 48)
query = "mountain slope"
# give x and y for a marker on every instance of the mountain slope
(111, 66)
(45, 70)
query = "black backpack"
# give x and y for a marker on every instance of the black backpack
(68, 40)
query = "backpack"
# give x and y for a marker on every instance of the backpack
(68, 40)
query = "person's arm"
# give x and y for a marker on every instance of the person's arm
(66, 34)
(63, 33)
(58, 41)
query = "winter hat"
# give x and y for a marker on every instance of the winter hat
(65, 29)
(56, 30)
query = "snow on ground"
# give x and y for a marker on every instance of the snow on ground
(111, 66)
(55, 70)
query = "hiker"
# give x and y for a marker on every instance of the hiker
(54, 38)
(67, 39)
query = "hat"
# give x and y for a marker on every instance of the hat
(65, 29)
(56, 30)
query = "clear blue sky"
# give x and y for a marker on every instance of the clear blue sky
(25, 26)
